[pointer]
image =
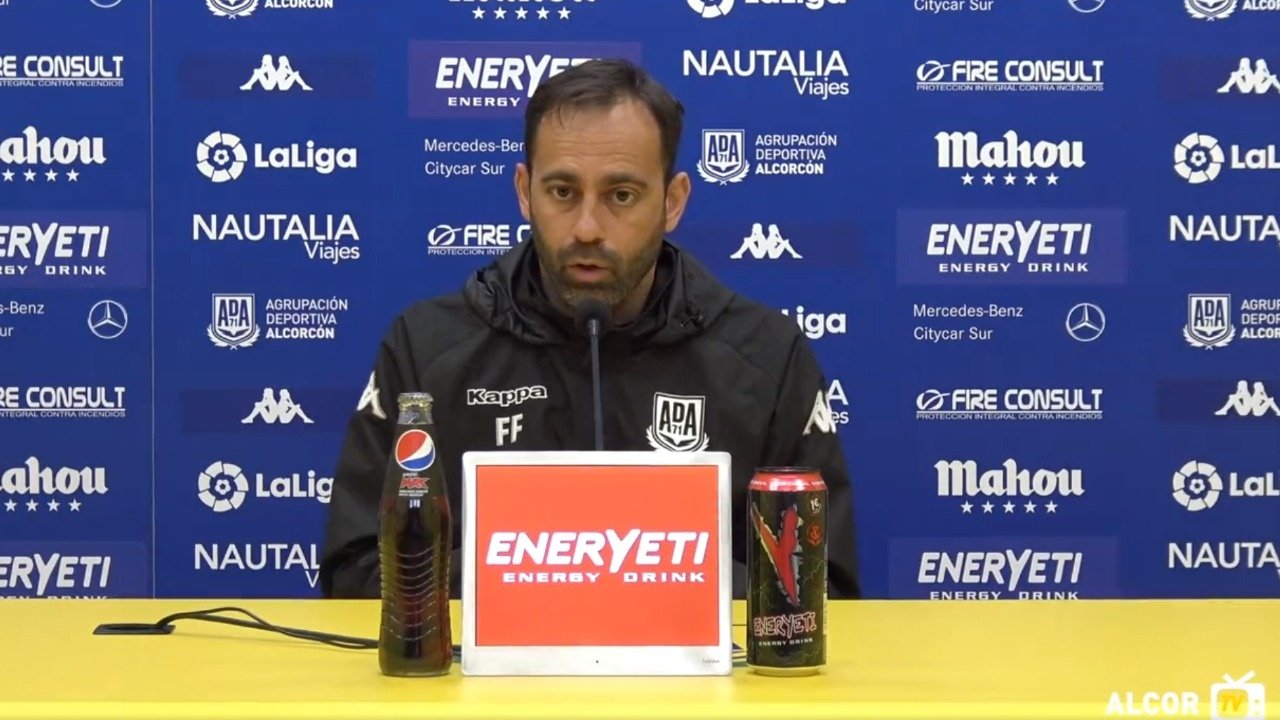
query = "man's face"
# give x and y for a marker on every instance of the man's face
(597, 204)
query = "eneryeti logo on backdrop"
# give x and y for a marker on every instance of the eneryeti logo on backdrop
(963, 479)
(1198, 486)
(76, 71)
(476, 238)
(450, 149)
(29, 152)
(1010, 75)
(223, 486)
(712, 9)
(1008, 247)
(1212, 10)
(520, 9)
(257, 557)
(678, 423)
(1224, 228)
(762, 247)
(65, 401)
(813, 73)
(1010, 404)
(222, 157)
(41, 572)
(330, 238)
(244, 8)
(272, 410)
(235, 319)
(34, 482)
(1255, 80)
(724, 154)
(1199, 158)
(964, 150)
(55, 250)
(276, 75)
(818, 325)
(492, 79)
(1009, 570)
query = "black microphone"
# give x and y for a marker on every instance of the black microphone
(595, 318)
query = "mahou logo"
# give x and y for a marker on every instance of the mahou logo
(584, 551)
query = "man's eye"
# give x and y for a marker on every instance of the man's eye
(561, 192)
(624, 196)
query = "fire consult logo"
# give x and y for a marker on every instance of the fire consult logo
(557, 539)
(492, 79)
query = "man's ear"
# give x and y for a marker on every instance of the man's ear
(677, 199)
(522, 189)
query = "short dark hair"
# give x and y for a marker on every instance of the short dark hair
(603, 84)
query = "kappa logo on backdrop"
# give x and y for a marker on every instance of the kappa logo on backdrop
(276, 75)
(272, 410)
(1255, 80)
(1244, 403)
(762, 247)
(678, 423)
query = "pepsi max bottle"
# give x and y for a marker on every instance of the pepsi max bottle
(414, 541)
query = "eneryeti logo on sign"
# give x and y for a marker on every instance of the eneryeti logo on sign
(34, 480)
(271, 410)
(1018, 75)
(811, 71)
(31, 151)
(506, 398)
(54, 249)
(39, 573)
(962, 478)
(712, 9)
(964, 150)
(222, 157)
(1020, 242)
(762, 247)
(233, 9)
(1198, 485)
(1224, 228)
(329, 238)
(1209, 322)
(678, 423)
(476, 239)
(1199, 158)
(1244, 403)
(570, 551)
(61, 71)
(276, 76)
(62, 402)
(223, 486)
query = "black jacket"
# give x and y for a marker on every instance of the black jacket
(765, 401)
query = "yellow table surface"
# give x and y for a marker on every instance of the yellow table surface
(886, 659)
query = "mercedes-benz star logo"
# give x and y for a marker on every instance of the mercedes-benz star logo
(108, 319)
(1085, 322)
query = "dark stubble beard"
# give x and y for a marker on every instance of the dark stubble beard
(625, 274)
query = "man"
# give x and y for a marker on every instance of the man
(599, 190)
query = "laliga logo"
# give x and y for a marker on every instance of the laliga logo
(1198, 158)
(415, 451)
(711, 9)
(221, 157)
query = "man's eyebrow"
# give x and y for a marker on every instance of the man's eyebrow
(617, 178)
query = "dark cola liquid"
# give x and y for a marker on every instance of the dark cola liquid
(415, 639)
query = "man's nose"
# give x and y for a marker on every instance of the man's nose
(587, 227)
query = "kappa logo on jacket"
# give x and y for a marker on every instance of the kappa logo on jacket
(678, 423)
(821, 418)
(369, 398)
